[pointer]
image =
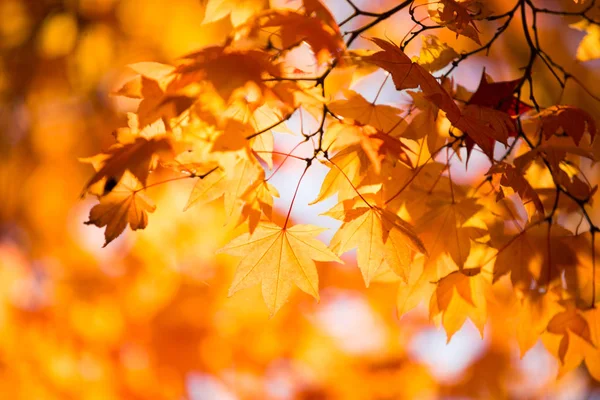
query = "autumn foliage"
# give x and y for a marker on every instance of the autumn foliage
(452, 144)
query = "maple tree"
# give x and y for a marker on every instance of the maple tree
(210, 103)
(461, 174)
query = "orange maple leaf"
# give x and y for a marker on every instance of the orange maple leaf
(293, 28)
(513, 178)
(135, 157)
(537, 252)
(406, 74)
(458, 296)
(455, 15)
(150, 86)
(444, 231)
(220, 67)
(124, 205)
(567, 323)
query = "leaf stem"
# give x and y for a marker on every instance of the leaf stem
(287, 218)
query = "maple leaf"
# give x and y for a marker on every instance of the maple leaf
(379, 236)
(293, 28)
(555, 150)
(406, 74)
(425, 123)
(208, 188)
(233, 137)
(566, 324)
(260, 120)
(381, 117)
(456, 16)
(588, 47)
(413, 189)
(157, 105)
(417, 289)
(151, 86)
(220, 67)
(458, 296)
(232, 184)
(134, 130)
(499, 96)
(161, 74)
(347, 167)
(435, 54)
(158, 72)
(513, 177)
(238, 11)
(376, 144)
(258, 200)
(537, 254)
(124, 205)
(483, 125)
(534, 312)
(568, 119)
(317, 8)
(592, 358)
(135, 157)
(475, 118)
(278, 258)
(444, 230)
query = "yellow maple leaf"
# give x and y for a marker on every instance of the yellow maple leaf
(588, 47)
(279, 258)
(231, 184)
(379, 236)
(238, 11)
(382, 117)
(162, 74)
(418, 288)
(533, 313)
(346, 169)
(264, 121)
(258, 201)
(435, 54)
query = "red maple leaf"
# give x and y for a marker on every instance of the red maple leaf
(499, 96)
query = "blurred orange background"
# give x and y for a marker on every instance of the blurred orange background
(148, 317)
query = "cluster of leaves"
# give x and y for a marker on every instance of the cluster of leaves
(211, 117)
